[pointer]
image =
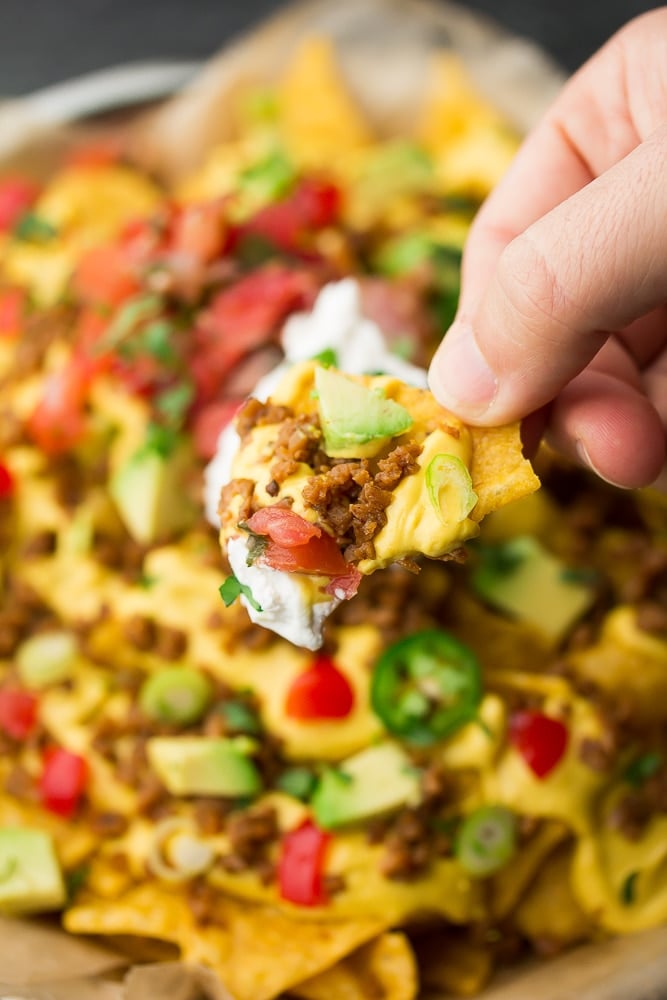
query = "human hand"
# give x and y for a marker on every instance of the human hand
(564, 284)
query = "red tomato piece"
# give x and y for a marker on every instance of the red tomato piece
(17, 195)
(18, 713)
(209, 423)
(245, 316)
(344, 587)
(320, 692)
(7, 484)
(287, 223)
(57, 423)
(63, 781)
(301, 865)
(283, 526)
(103, 277)
(12, 309)
(540, 739)
(200, 231)
(320, 555)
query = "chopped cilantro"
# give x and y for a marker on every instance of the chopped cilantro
(240, 718)
(579, 574)
(328, 358)
(128, 318)
(75, 880)
(642, 768)
(161, 440)
(269, 179)
(299, 782)
(174, 402)
(628, 891)
(253, 250)
(34, 229)
(233, 588)
(156, 340)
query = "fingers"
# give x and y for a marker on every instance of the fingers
(594, 263)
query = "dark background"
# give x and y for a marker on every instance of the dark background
(45, 41)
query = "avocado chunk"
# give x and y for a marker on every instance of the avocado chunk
(149, 492)
(356, 421)
(30, 877)
(370, 783)
(526, 581)
(197, 765)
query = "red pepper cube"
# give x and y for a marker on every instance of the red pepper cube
(18, 713)
(63, 781)
(301, 865)
(7, 484)
(320, 692)
(540, 739)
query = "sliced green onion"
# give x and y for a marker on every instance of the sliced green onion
(47, 658)
(299, 782)
(447, 476)
(176, 854)
(486, 840)
(176, 695)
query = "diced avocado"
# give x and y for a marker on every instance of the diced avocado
(149, 492)
(370, 783)
(197, 765)
(30, 877)
(47, 658)
(528, 582)
(356, 420)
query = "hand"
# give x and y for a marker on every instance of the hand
(564, 286)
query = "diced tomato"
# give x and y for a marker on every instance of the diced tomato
(243, 317)
(301, 865)
(200, 231)
(18, 713)
(17, 195)
(104, 277)
(344, 587)
(209, 423)
(540, 739)
(7, 484)
(57, 423)
(63, 781)
(96, 153)
(320, 692)
(319, 555)
(283, 526)
(12, 309)
(312, 205)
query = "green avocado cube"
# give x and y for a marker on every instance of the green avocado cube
(30, 877)
(199, 765)
(354, 416)
(371, 783)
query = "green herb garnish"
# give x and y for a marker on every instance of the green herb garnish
(628, 891)
(233, 588)
(34, 229)
(642, 768)
(174, 402)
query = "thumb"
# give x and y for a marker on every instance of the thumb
(587, 268)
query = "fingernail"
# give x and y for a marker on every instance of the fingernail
(586, 460)
(460, 378)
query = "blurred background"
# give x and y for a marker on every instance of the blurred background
(45, 41)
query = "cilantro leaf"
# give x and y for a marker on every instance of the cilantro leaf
(233, 588)
(174, 402)
(642, 768)
(34, 229)
(328, 358)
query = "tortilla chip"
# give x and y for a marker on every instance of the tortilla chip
(500, 473)
(451, 962)
(384, 969)
(256, 951)
(319, 120)
(510, 883)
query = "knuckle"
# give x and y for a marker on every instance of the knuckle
(531, 285)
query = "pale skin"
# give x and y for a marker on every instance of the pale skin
(563, 310)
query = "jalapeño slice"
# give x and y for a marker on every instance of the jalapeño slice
(426, 686)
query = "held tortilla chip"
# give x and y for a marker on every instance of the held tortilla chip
(256, 951)
(337, 476)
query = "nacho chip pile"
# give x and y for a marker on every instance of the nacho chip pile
(474, 765)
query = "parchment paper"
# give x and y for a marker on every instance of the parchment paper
(383, 45)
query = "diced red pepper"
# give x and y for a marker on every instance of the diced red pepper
(209, 423)
(301, 865)
(104, 277)
(58, 421)
(63, 781)
(320, 692)
(12, 308)
(283, 526)
(540, 739)
(7, 484)
(17, 195)
(18, 713)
